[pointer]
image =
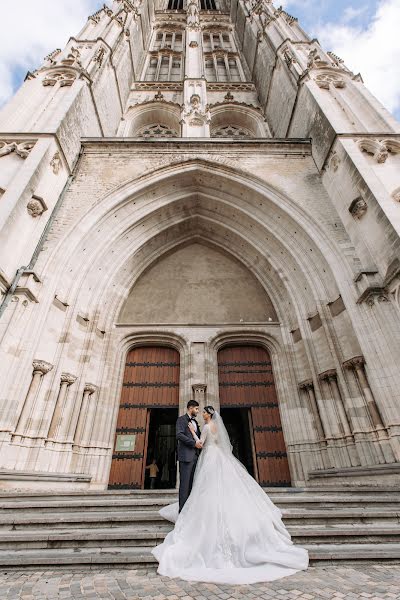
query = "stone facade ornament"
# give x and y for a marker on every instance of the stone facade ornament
(194, 113)
(379, 148)
(68, 378)
(159, 96)
(334, 162)
(99, 56)
(21, 148)
(56, 163)
(358, 207)
(396, 194)
(36, 206)
(64, 78)
(41, 366)
(193, 17)
(90, 388)
(325, 80)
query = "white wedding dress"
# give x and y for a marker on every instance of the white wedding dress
(228, 531)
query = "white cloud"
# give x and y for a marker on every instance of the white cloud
(374, 51)
(29, 30)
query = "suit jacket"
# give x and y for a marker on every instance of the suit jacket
(187, 450)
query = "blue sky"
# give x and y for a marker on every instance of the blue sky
(366, 34)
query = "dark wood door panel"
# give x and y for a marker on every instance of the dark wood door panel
(151, 379)
(246, 379)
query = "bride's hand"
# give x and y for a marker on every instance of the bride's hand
(191, 427)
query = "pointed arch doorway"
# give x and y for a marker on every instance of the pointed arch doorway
(146, 419)
(249, 407)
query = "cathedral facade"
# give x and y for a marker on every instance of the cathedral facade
(198, 201)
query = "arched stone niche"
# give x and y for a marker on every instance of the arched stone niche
(199, 284)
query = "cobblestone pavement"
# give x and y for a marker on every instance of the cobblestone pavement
(318, 583)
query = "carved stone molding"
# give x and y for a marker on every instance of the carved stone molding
(22, 148)
(352, 363)
(396, 194)
(358, 207)
(379, 148)
(199, 392)
(328, 375)
(193, 15)
(307, 384)
(64, 78)
(99, 56)
(194, 113)
(56, 163)
(41, 366)
(36, 206)
(334, 162)
(90, 387)
(68, 378)
(325, 80)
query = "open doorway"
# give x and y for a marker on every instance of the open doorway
(237, 424)
(161, 449)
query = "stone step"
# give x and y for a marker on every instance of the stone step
(154, 534)
(156, 502)
(32, 519)
(274, 492)
(131, 557)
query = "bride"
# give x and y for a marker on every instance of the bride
(228, 531)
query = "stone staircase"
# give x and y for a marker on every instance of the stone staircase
(119, 528)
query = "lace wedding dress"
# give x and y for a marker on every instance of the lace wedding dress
(228, 531)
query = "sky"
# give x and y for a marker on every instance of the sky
(365, 33)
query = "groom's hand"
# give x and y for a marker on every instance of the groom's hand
(199, 445)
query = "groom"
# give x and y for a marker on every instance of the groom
(188, 450)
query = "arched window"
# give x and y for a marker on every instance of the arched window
(156, 130)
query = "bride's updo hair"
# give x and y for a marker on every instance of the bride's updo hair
(210, 410)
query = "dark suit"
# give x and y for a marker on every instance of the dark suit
(187, 457)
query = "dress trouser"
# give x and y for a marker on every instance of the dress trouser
(186, 474)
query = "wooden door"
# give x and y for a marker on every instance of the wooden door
(151, 380)
(246, 380)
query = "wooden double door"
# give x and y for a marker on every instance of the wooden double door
(149, 407)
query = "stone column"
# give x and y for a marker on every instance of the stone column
(86, 415)
(308, 389)
(61, 417)
(356, 364)
(40, 368)
(340, 434)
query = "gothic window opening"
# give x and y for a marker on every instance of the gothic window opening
(222, 73)
(178, 42)
(233, 70)
(152, 69)
(157, 130)
(158, 41)
(164, 69)
(175, 4)
(210, 70)
(231, 131)
(226, 41)
(208, 5)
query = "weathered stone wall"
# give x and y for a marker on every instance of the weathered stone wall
(91, 219)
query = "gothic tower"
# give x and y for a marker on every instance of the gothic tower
(197, 200)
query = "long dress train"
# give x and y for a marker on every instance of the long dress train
(228, 531)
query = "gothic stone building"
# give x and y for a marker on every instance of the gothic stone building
(197, 200)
